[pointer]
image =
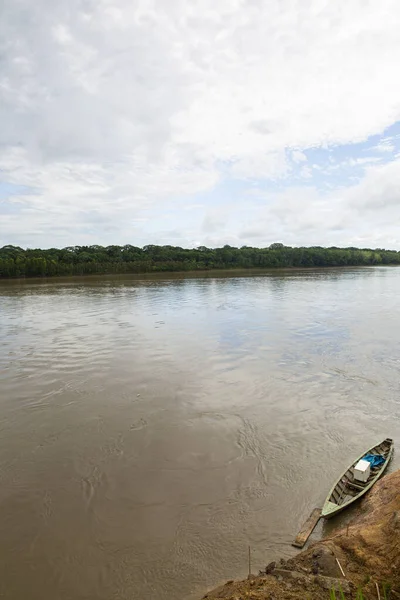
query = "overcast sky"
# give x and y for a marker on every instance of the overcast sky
(192, 122)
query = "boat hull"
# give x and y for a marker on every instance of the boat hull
(332, 508)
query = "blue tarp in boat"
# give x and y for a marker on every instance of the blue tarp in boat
(375, 460)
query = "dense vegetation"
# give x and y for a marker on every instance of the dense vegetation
(88, 260)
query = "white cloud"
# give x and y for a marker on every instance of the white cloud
(259, 166)
(365, 160)
(379, 193)
(366, 213)
(112, 108)
(298, 157)
(385, 146)
(306, 172)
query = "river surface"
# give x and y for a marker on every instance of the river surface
(152, 428)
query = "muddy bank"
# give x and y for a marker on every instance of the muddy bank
(367, 550)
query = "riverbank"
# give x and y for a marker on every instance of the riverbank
(99, 260)
(367, 550)
(176, 275)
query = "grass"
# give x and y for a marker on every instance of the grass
(386, 587)
(332, 595)
(386, 590)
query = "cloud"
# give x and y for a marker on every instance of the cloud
(365, 160)
(385, 146)
(114, 110)
(379, 193)
(298, 157)
(366, 213)
(306, 172)
(213, 223)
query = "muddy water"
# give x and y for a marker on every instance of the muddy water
(151, 429)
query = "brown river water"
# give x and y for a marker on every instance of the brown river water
(152, 428)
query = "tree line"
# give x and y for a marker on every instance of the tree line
(91, 260)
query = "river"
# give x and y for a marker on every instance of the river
(151, 428)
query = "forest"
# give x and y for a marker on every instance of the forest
(96, 260)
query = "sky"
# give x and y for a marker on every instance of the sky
(200, 122)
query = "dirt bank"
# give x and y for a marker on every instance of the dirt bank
(368, 551)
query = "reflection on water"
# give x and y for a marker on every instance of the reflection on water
(152, 428)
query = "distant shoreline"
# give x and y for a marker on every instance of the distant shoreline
(201, 274)
(83, 261)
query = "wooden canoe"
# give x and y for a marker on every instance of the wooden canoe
(347, 490)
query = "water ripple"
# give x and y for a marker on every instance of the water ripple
(151, 429)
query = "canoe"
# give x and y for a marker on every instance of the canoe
(347, 489)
